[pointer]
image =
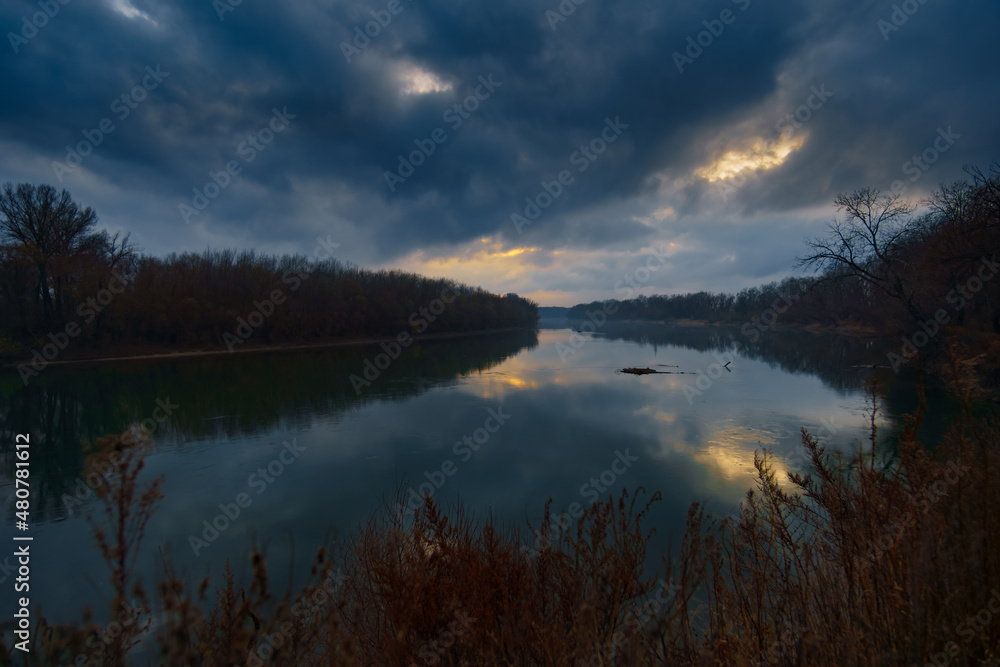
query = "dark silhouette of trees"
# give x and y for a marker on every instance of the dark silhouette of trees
(56, 272)
(197, 298)
(44, 229)
(50, 254)
(870, 244)
(963, 229)
(714, 307)
(884, 265)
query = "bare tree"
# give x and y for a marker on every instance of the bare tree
(45, 227)
(952, 202)
(870, 244)
(116, 250)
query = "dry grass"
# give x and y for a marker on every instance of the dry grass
(866, 565)
(862, 562)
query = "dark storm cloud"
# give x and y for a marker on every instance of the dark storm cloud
(325, 171)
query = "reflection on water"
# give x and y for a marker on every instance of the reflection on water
(728, 451)
(423, 421)
(219, 398)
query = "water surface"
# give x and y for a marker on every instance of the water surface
(572, 429)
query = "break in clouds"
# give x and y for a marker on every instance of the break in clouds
(471, 140)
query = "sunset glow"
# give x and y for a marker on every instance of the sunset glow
(760, 156)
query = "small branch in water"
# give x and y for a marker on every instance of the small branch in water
(648, 371)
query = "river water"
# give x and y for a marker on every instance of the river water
(499, 422)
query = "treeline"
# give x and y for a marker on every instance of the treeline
(884, 264)
(60, 281)
(711, 306)
(190, 298)
(795, 300)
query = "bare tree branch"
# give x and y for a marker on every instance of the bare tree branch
(869, 243)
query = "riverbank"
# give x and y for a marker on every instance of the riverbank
(841, 328)
(149, 352)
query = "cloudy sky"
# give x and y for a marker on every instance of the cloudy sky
(412, 132)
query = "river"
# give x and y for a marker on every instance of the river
(499, 422)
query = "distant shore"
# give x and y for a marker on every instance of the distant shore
(152, 352)
(846, 328)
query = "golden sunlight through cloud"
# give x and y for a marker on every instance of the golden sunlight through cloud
(416, 81)
(656, 216)
(484, 262)
(487, 255)
(489, 263)
(760, 156)
(546, 296)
